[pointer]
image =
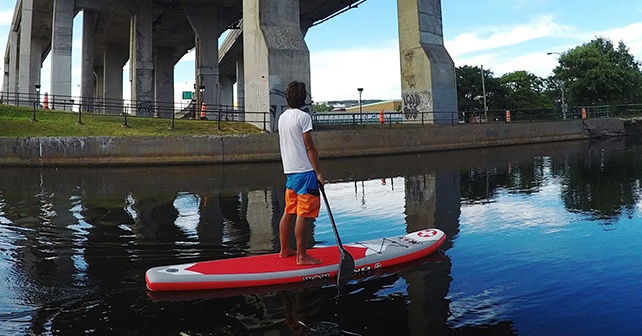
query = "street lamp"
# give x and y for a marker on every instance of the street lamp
(360, 106)
(483, 80)
(564, 108)
(36, 102)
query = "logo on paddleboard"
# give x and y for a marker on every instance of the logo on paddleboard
(427, 233)
(317, 277)
(171, 270)
(409, 240)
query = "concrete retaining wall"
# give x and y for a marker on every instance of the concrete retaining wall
(90, 151)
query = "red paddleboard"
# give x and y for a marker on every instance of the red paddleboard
(270, 269)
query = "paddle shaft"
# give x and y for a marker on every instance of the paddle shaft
(346, 263)
(334, 225)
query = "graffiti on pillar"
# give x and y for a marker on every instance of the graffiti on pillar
(256, 99)
(307, 107)
(416, 102)
(144, 109)
(406, 68)
(276, 110)
(278, 92)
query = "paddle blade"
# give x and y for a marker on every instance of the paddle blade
(346, 268)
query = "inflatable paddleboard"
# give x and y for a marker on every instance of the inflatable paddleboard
(270, 269)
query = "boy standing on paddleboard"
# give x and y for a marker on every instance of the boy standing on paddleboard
(301, 167)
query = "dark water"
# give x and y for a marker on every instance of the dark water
(542, 240)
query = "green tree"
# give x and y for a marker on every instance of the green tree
(469, 89)
(597, 73)
(321, 107)
(524, 90)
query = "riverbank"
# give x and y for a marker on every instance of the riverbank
(175, 150)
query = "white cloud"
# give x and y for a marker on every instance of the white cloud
(337, 74)
(542, 26)
(6, 17)
(631, 35)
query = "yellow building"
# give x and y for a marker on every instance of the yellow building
(386, 106)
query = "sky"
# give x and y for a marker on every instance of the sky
(360, 48)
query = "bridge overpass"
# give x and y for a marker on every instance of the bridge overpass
(264, 50)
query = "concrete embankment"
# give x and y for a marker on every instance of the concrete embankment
(102, 151)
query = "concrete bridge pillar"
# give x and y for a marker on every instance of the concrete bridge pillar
(12, 84)
(115, 57)
(240, 84)
(226, 84)
(141, 62)
(99, 89)
(205, 23)
(427, 70)
(61, 43)
(88, 83)
(35, 65)
(164, 80)
(25, 85)
(272, 32)
(5, 79)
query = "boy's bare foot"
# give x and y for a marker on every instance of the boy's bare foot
(307, 260)
(287, 253)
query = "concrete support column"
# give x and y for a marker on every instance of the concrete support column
(12, 84)
(61, 43)
(141, 62)
(99, 88)
(115, 58)
(5, 80)
(164, 81)
(25, 86)
(240, 84)
(35, 64)
(427, 70)
(205, 23)
(227, 90)
(88, 82)
(272, 32)
(164, 74)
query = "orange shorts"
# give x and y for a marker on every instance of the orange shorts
(304, 205)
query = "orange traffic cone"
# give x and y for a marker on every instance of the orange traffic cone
(204, 112)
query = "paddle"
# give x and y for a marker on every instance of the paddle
(346, 264)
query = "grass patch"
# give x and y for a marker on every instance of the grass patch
(16, 122)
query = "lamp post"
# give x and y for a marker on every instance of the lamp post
(360, 106)
(36, 102)
(564, 108)
(483, 79)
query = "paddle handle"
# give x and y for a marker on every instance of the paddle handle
(334, 225)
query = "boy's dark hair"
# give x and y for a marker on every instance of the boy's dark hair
(295, 94)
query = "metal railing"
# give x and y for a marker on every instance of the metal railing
(265, 120)
(125, 108)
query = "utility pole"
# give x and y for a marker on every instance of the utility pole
(484, 93)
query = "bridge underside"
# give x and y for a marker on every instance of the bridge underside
(153, 35)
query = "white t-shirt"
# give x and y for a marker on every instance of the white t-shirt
(292, 124)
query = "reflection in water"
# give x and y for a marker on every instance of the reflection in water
(77, 241)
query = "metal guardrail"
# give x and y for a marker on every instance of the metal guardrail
(264, 120)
